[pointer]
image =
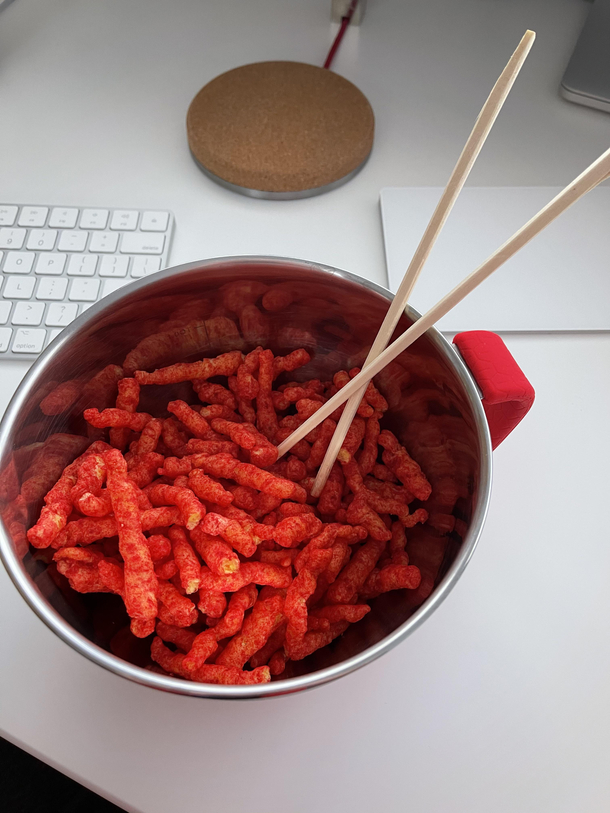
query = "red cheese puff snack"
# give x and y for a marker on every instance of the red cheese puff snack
(194, 446)
(128, 400)
(142, 628)
(212, 603)
(385, 505)
(85, 531)
(228, 675)
(421, 515)
(48, 463)
(302, 449)
(390, 490)
(342, 612)
(182, 638)
(238, 536)
(92, 506)
(111, 574)
(301, 588)
(368, 456)
(90, 478)
(296, 470)
(320, 445)
(404, 467)
(262, 452)
(313, 641)
(342, 378)
(274, 643)
(244, 497)
(61, 398)
(294, 509)
(140, 579)
(391, 577)
(246, 385)
(144, 468)
(291, 362)
(193, 421)
(222, 465)
(166, 570)
(291, 531)
(248, 573)
(102, 388)
(225, 364)
(373, 397)
(214, 394)
(383, 473)
(266, 419)
(55, 513)
(161, 517)
(118, 418)
(218, 411)
(283, 558)
(186, 559)
(173, 438)
(270, 519)
(315, 624)
(216, 553)
(181, 607)
(277, 663)
(204, 646)
(360, 513)
(330, 496)
(353, 439)
(169, 661)
(191, 509)
(83, 578)
(208, 489)
(159, 546)
(87, 556)
(322, 540)
(355, 573)
(149, 438)
(306, 408)
(266, 616)
(397, 544)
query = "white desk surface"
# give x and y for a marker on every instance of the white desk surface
(501, 701)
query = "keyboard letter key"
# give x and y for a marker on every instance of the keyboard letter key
(60, 315)
(136, 243)
(29, 341)
(52, 264)
(19, 262)
(19, 287)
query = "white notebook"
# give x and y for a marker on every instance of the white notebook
(559, 281)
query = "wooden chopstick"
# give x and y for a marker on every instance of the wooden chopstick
(585, 182)
(472, 148)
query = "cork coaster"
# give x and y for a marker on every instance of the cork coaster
(280, 129)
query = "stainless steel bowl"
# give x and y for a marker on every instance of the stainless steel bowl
(435, 409)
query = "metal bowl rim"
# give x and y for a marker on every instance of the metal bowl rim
(81, 644)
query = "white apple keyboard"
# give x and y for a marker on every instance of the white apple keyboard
(57, 261)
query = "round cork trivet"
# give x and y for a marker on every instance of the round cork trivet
(280, 129)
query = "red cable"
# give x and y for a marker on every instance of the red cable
(345, 21)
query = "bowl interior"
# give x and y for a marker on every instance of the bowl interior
(198, 312)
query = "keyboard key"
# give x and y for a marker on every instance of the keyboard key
(63, 218)
(29, 341)
(28, 313)
(8, 215)
(112, 285)
(72, 240)
(104, 241)
(82, 265)
(84, 290)
(137, 243)
(94, 218)
(19, 287)
(19, 262)
(143, 266)
(42, 240)
(154, 221)
(114, 266)
(33, 216)
(5, 309)
(5, 338)
(61, 315)
(52, 264)
(124, 220)
(53, 334)
(12, 238)
(52, 288)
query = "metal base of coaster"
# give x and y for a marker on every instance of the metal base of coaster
(297, 194)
